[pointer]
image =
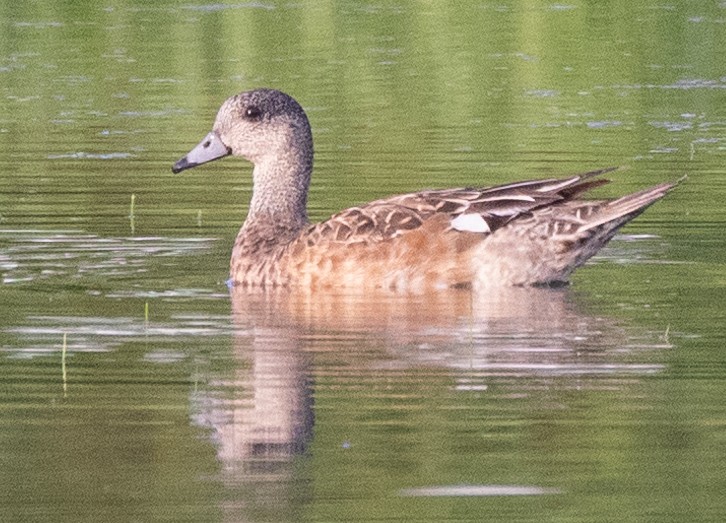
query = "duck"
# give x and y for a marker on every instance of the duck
(527, 233)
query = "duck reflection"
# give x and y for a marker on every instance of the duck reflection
(261, 410)
(262, 417)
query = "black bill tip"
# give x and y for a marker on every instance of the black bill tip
(182, 165)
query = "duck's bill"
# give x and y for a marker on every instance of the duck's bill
(211, 148)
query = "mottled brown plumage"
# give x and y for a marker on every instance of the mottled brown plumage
(525, 233)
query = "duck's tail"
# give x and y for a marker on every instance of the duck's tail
(617, 213)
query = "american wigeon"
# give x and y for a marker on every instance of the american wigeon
(525, 233)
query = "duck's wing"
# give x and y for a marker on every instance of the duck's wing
(473, 210)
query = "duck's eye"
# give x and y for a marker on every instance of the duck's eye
(253, 113)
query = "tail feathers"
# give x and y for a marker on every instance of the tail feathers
(628, 207)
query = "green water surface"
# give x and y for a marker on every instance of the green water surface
(134, 387)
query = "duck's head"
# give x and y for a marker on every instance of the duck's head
(264, 125)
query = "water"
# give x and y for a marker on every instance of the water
(135, 386)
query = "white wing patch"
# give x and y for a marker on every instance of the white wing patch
(470, 223)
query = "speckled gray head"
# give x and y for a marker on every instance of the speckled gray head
(257, 125)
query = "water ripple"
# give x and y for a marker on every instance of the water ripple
(32, 255)
(43, 335)
(478, 490)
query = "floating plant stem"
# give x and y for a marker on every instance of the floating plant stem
(146, 313)
(63, 364)
(132, 215)
(199, 218)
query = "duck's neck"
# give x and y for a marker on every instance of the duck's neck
(279, 195)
